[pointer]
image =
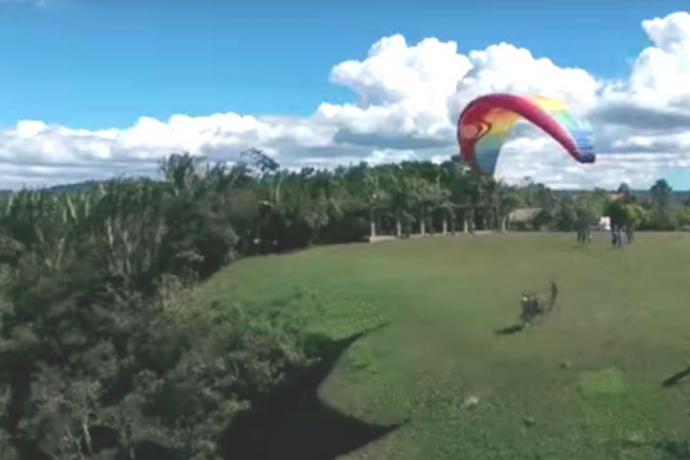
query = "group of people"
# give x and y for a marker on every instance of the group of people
(617, 235)
(584, 235)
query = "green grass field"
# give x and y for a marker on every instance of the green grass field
(583, 384)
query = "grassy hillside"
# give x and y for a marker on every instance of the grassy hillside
(585, 383)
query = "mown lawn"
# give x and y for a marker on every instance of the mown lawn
(583, 384)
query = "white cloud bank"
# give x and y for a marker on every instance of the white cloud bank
(408, 98)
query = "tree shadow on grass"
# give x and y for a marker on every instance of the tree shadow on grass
(676, 378)
(295, 423)
(674, 449)
(510, 330)
(671, 449)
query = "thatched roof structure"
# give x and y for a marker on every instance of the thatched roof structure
(523, 215)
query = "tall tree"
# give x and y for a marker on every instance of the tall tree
(402, 199)
(624, 189)
(375, 195)
(661, 194)
(664, 215)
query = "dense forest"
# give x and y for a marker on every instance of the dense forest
(104, 353)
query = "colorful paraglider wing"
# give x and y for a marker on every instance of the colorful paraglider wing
(483, 133)
(487, 121)
(579, 130)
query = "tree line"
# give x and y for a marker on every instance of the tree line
(104, 352)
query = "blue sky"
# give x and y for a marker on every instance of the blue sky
(101, 63)
(88, 88)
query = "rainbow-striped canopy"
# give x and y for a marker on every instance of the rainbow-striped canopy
(486, 122)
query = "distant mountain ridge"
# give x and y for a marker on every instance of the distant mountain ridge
(75, 187)
(677, 195)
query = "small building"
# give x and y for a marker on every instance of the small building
(523, 218)
(604, 224)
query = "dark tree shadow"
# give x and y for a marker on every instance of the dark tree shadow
(675, 449)
(676, 378)
(510, 330)
(671, 449)
(295, 423)
(150, 451)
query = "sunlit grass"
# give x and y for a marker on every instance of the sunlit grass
(585, 383)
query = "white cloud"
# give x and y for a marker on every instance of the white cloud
(669, 33)
(387, 156)
(542, 160)
(675, 143)
(402, 93)
(506, 68)
(660, 74)
(408, 97)
(395, 72)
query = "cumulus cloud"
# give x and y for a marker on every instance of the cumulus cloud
(402, 94)
(642, 118)
(541, 160)
(508, 69)
(407, 98)
(659, 79)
